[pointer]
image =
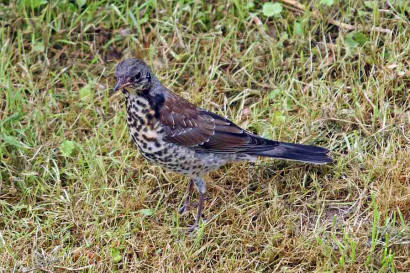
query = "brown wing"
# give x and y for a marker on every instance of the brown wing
(204, 131)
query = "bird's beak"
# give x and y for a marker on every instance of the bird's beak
(121, 83)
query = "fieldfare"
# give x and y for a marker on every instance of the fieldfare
(177, 135)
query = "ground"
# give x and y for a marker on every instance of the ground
(75, 194)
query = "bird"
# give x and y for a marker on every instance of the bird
(173, 133)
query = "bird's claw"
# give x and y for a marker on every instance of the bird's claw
(195, 226)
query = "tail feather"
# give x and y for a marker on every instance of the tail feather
(297, 152)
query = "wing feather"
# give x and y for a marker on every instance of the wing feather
(204, 131)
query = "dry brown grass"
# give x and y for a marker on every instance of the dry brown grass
(88, 211)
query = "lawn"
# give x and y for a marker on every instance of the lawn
(75, 194)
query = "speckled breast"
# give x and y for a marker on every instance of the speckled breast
(148, 134)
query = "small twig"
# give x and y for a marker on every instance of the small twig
(74, 269)
(37, 268)
(295, 4)
(315, 14)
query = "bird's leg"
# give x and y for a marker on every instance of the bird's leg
(201, 188)
(188, 197)
(199, 213)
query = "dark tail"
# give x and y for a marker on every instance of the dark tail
(297, 152)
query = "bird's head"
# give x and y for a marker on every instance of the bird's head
(133, 76)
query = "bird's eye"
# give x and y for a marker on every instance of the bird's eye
(137, 77)
(148, 77)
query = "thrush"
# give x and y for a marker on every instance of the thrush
(171, 132)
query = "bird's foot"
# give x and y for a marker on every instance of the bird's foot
(195, 226)
(192, 228)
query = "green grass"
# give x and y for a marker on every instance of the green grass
(76, 194)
